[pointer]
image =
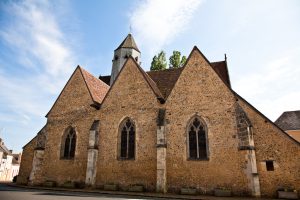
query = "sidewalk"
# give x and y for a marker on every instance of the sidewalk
(138, 194)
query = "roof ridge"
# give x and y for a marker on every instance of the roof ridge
(149, 80)
(98, 98)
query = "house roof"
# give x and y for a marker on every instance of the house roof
(289, 120)
(4, 149)
(97, 88)
(128, 42)
(166, 79)
(221, 68)
(151, 83)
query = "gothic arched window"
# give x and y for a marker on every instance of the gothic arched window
(197, 140)
(69, 144)
(127, 139)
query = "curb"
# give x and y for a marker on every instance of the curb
(117, 193)
(136, 194)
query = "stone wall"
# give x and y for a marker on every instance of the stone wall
(272, 144)
(295, 134)
(130, 96)
(200, 92)
(72, 109)
(26, 162)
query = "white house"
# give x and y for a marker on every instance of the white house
(9, 163)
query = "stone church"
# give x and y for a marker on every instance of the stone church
(165, 130)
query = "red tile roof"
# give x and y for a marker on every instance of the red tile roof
(222, 70)
(96, 87)
(166, 79)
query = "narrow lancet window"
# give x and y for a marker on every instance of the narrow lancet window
(127, 143)
(197, 140)
(69, 144)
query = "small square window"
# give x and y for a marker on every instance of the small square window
(270, 165)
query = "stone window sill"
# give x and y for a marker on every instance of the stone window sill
(198, 159)
(66, 158)
(126, 159)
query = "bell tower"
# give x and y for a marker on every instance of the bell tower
(121, 54)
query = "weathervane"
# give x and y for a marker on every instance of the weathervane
(130, 29)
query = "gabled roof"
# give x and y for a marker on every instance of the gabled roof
(97, 88)
(166, 79)
(289, 120)
(128, 42)
(222, 69)
(148, 80)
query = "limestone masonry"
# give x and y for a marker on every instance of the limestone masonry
(163, 131)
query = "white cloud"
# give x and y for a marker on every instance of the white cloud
(274, 88)
(156, 23)
(35, 33)
(41, 48)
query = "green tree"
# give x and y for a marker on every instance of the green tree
(159, 62)
(183, 61)
(176, 61)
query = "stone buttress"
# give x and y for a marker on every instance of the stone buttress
(92, 157)
(36, 176)
(246, 143)
(161, 147)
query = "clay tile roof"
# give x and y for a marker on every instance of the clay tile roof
(97, 88)
(289, 120)
(128, 42)
(221, 68)
(166, 79)
(105, 79)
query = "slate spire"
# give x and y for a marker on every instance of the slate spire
(126, 49)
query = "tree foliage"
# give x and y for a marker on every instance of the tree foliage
(159, 62)
(176, 60)
(183, 61)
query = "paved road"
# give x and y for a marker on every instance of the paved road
(15, 193)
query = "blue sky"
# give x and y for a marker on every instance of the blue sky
(42, 42)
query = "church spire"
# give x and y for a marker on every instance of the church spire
(128, 42)
(127, 48)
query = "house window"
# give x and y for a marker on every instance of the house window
(69, 144)
(270, 165)
(127, 139)
(197, 140)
